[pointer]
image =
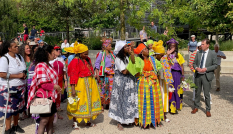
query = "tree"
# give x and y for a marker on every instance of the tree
(134, 10)
(213, 15)
(8, 18)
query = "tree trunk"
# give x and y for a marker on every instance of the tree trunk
(216, 40)
(122, 19)
(189, 33)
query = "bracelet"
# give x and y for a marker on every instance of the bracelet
(65, 79)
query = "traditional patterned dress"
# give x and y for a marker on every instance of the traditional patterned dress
(176, 70)
(124, 100)
(150, 103)
(89, 106)
(105, 64)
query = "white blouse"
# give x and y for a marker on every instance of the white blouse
(15, 66)
(120, 65)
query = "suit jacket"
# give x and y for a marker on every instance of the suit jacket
(211, 63)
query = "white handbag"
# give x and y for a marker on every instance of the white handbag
(41, 105)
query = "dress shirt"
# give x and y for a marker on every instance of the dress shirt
(206, 54)
(63, 45)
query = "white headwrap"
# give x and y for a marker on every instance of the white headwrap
(119, 45)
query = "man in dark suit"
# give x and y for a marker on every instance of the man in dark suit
(205, 63)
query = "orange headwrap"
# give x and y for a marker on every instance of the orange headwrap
(139, 49)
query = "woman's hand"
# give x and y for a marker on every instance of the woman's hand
(169, 51)
(57, 87)
(66, 85)
(97, 75)
(22, 76)
(73, 92)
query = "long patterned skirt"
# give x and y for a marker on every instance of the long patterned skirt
(165, 95)
(89, 105)
(150, 103)
(124, 99)
(176, 100)
(106, 83)
(16, 102)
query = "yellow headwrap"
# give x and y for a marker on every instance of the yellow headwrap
(78, 48)
(158, 47)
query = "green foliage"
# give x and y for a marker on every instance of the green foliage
(93, 42)
(53, 40)
(224, 45)
(8, 18)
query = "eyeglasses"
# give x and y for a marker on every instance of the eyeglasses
(58, 49)
(126, 46)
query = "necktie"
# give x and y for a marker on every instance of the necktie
(202, 60)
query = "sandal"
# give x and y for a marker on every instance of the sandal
(120, 127)
(91, 124)
(75, 126)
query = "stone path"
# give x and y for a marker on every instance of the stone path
(182, 123)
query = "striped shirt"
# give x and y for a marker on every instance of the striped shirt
(191, 60)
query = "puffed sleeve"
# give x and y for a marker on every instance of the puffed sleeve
(180, 59)
(98, 61)
(73, 71)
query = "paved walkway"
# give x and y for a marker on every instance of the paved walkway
(182, 123)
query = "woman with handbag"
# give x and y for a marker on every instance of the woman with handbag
(13, 67)
(84, 98)
(44, 85)
(105, 71)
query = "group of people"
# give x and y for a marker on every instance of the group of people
(32, 34)
(139, 85)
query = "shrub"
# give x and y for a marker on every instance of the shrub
(53, 40)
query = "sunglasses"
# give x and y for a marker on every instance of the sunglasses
(57, 49)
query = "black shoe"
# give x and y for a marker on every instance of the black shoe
(10, 131)
(18, 129)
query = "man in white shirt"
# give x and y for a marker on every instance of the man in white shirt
(65, 44)
(205, 63)
(220, 56)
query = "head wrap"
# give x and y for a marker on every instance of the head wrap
(78, 48)
(119, 45)
(149, 42)
(172, 41)
(129, 43)
(56, 47)
(106, 43)
(139, 49)
(158, 47)
(40, 41)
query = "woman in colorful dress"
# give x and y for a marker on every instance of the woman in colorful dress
(13, 67)
(25, 52)
(123, 105)
(45, 80)
(104, 72)
(84, 88)
(176, 61)
(58, 65)
(150, 102)
(159, 52)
